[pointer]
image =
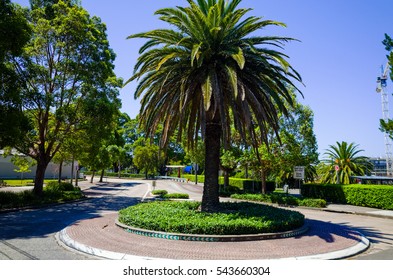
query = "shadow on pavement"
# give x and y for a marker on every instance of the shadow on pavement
(329, 232)
(45, 221)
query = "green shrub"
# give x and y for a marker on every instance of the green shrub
(282, 199)
(61, 187)
(245, 185)
(9, 200)
(235, 218)
(159, 192)
(376, 196)
(313, 202)
(176, 196)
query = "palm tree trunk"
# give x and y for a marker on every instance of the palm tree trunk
(210, 198)
(263, 181)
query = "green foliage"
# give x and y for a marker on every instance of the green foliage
(244, 185)
(164, 194)
(59, 187)
(345, 156)
(15, 33)
(234, 218)
(68, 86)
(209, 71)
(10, 200)
(176, 196)
(147, 158)
(282, 199)
(159, 192)
(375, 196)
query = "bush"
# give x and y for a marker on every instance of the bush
(376, 196)
(234, 219)
(282, 199)
(245, 185)
(9, 200)
(61, 187)
(159, 192)
(176, 196)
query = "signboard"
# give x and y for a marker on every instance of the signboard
(298, 172)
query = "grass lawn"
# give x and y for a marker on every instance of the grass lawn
(24, 182)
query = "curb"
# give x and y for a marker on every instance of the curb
(359, 248)
(212, 238)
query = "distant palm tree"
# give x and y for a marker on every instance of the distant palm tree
(206, 73)
(345, 158)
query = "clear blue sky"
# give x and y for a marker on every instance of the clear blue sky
(339, 57)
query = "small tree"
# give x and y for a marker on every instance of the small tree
(23, 163)
(345, 158)
(147, 158)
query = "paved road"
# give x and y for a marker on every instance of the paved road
(31, 234)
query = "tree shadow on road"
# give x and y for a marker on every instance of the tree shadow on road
(45, 221)
(330, 232)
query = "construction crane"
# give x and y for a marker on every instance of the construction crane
(381, 88)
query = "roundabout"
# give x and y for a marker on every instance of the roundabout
(101, 237)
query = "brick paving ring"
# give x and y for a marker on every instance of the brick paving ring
(212, 238)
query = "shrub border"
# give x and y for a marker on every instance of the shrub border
(213, 238)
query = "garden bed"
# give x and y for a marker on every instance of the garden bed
(233, 219)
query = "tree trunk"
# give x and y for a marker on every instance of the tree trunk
(60, 171)
(102, 175)
(39, 177)
(263, 179)
(226, 178)
(210, 198)
(92, 176)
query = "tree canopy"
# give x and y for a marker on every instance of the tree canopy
(14, 34)
(68, 79)
(207, 72)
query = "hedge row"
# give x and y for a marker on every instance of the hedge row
(115, 174)
(245, 185)
(375, 196)
(282, 199)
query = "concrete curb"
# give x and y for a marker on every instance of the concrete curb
(362, 246)
(212, 238)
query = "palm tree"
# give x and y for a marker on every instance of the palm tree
(206, 73)
(344, 157)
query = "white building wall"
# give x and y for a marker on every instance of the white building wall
(52, 172)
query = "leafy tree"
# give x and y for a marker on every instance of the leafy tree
(23, 163)
(229, 161)
(147, 158)
(345, 156)
(210, 71)
(67, 71)
(14, 34)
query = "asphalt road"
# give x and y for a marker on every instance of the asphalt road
(31, 234)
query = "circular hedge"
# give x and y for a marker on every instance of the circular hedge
(233, 219)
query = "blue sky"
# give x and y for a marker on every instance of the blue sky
(339, 57)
